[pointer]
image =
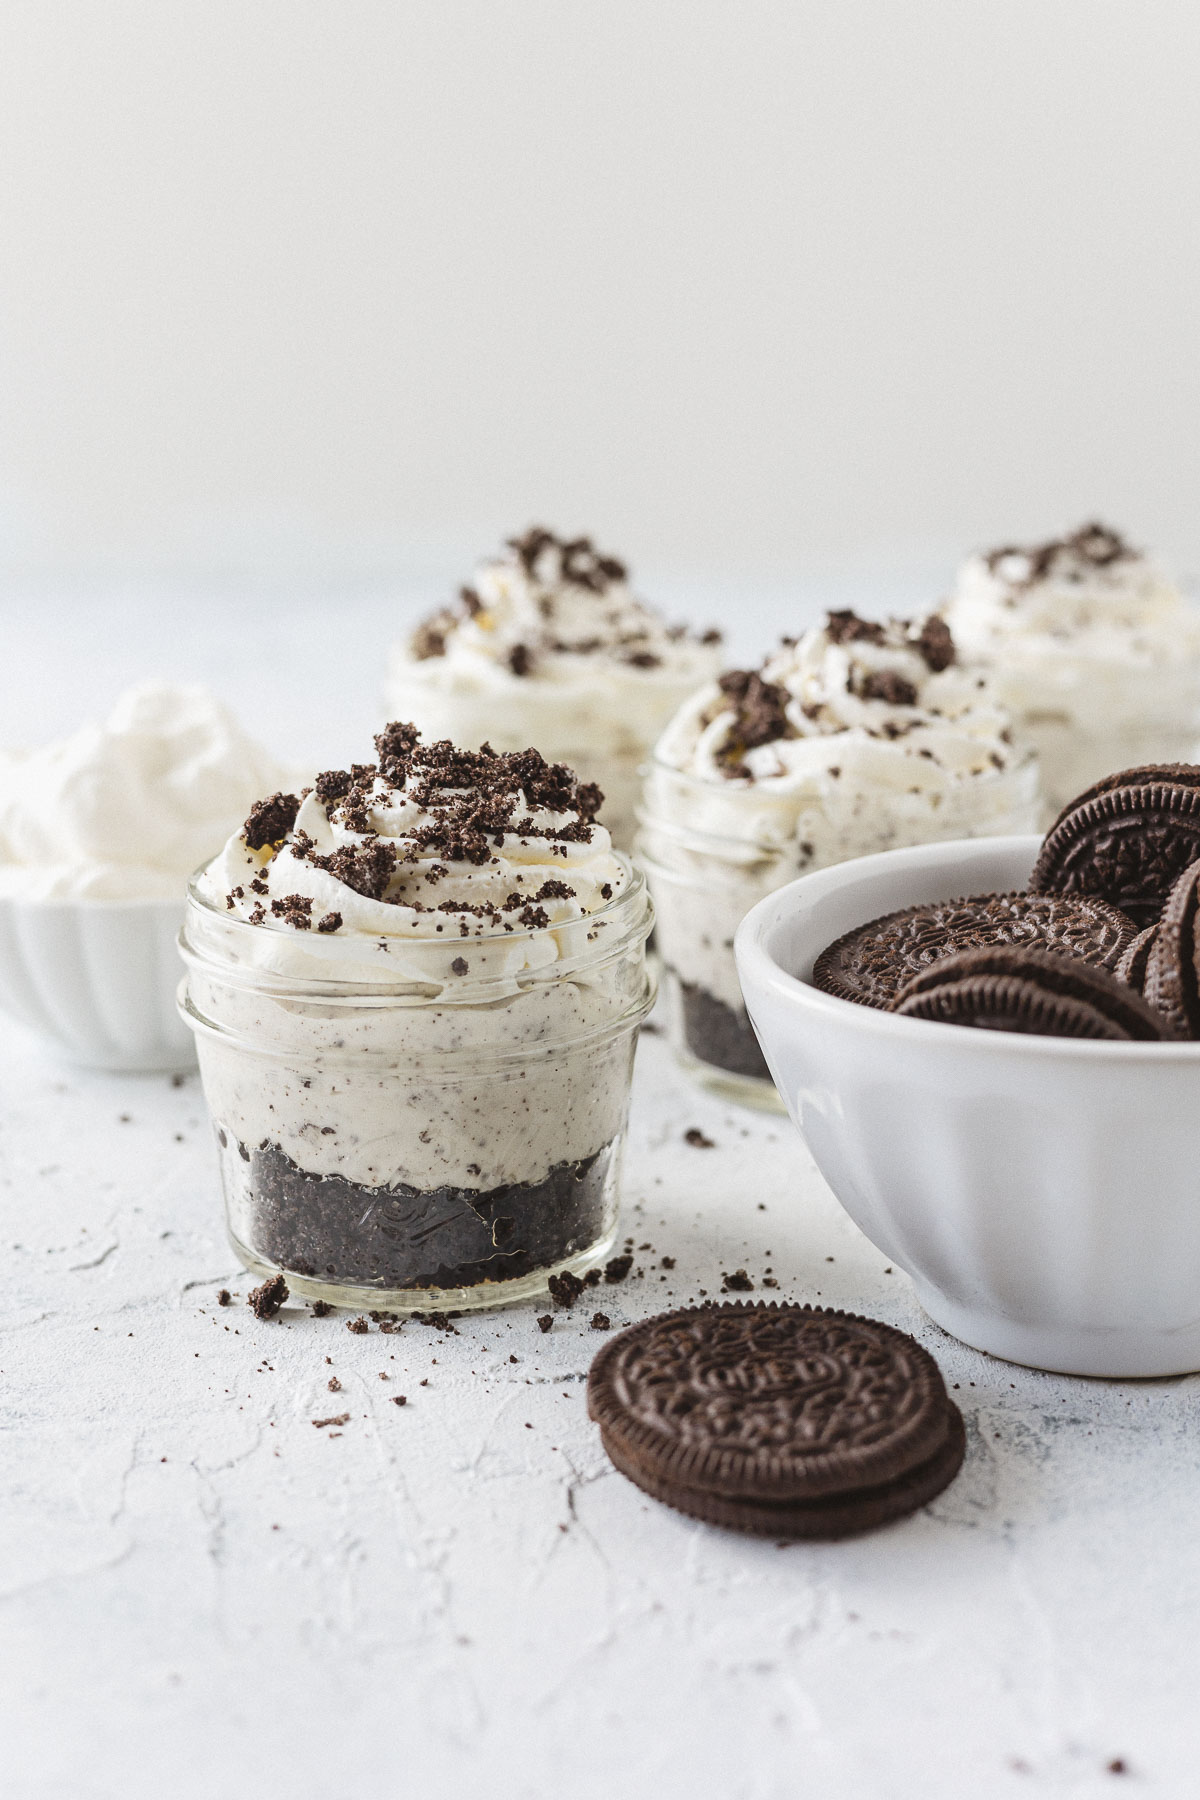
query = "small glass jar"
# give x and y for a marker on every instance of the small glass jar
(417, 1145)
(704, 882)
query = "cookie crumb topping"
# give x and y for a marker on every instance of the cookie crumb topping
(1093, 546)
(270, 820)
(549, 596)
(883, 662)
(430, 828)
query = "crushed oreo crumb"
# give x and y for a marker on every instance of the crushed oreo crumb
(601, 1322)
(618, 1268)
(545, 1321)
(887, 685)
(936, 644)
(266, 1300)
(321, 1309)
(359, 1326)
(270, 820)
(847, 628)
(738, 1283)
(1093, 545)
(565, 1289)
(697, 1139)
(438, 1321)
(333, 785)
(224, 1297)
(295, 909)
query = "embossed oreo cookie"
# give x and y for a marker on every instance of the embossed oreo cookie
(1145, 775)
(783, 1421)
(1127, 843)
(1132, 966)
(1008, 988)
(871, 965)
(1171, 980)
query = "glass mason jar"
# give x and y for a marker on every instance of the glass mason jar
(419, 1144)
(704, 882)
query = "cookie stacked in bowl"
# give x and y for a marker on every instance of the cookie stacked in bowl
(1102, 945)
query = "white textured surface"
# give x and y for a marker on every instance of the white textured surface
(461, 1592)
(441, 1600)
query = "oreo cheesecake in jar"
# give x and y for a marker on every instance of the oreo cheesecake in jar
(416, 990)
(1093, 649)
(859, 736)
(550, 645)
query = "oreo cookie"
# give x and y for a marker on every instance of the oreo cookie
(782, 1421)
(871, 964)
(1127, 841)
(1170, 982)
(1145, 775)
(1007, 988)
(1132, 966)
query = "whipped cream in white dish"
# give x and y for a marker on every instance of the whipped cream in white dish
(857, 737)
(488, 944)
(550, 646)
(127, 809)
(1092, 648)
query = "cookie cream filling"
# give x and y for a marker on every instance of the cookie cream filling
(426, 971)
(857, 737)
(549, 645)
(1091, 646)
(127, 809)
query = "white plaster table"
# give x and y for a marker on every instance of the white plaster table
(202, 1594)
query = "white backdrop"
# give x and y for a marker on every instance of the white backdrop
(753, 289)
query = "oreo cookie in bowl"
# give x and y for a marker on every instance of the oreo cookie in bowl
(855, 738)
(416, 990)
(992, 1049)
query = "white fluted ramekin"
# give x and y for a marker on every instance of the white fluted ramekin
(1043, 1193)
(97, 979)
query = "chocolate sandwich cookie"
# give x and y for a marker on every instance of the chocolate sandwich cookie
(1127, 844)
(1014, 989)
(783, 1421)
(1170, 982)
(1145, 775)
(871, 964)
(1132, 966)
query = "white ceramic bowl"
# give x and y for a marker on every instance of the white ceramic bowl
(1043, 1193)
(97, 979)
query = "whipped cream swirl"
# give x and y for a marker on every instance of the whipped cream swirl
(550, 646)
(854, 707)
(548, 602)
(1087, 596)
(127, 809)
(445, 862)
(1092, 648)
